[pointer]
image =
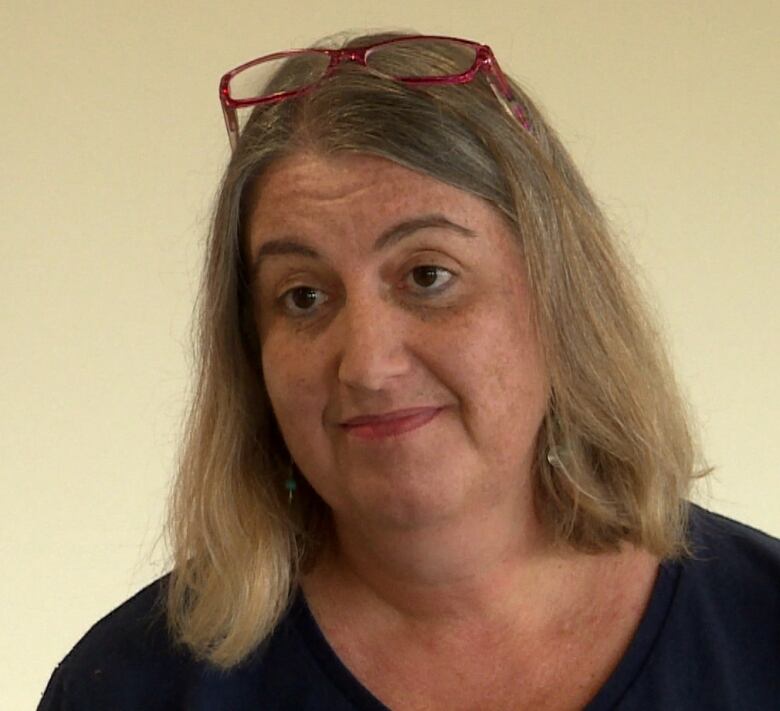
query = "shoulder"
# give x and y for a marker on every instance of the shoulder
(731, 582)
(733, 554)
(711, 635)
(128, 661)
(136, 627)
(121, 658)
(719, 645)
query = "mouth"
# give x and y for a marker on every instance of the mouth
(390, 425)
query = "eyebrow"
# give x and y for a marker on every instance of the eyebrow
(391, 236)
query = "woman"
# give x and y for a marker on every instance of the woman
(437, 458)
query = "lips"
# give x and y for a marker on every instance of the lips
(387, 417)
(390, 424)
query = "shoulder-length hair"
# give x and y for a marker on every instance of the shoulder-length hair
(615, 455)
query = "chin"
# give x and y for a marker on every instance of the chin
(407, 508)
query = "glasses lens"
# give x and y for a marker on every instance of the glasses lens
(417, 58)
(285, 73)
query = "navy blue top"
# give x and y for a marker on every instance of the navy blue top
(709, 639)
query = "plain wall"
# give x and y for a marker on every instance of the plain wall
(112, 144)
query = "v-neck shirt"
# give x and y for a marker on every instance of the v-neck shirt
(709, 638)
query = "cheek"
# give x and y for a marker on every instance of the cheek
(502, 374)
(292, 384)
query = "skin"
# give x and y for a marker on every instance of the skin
(438, 550)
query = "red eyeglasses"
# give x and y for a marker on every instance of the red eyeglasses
(256, 82)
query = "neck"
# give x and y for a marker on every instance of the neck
(478, 568)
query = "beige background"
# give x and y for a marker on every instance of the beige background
(111, 145)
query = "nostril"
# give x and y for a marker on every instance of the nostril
(370, 363)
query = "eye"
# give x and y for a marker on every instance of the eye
(426, 276)
(300, 300)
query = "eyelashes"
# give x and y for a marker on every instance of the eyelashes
(287, 301)
(305, 301)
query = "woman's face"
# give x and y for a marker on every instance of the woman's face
(378, 289)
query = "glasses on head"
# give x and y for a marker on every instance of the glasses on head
(286, 75)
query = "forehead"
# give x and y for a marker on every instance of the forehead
(346, 202)
(351, 188)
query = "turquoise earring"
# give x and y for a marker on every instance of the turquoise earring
(290, 484)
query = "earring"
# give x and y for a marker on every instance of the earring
(553, 457)
(290, 484)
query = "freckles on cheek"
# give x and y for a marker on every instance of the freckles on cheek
(292, 377)
(277, 373)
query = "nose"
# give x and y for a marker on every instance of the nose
(372, 343)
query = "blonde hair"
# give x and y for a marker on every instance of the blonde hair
(615, 453)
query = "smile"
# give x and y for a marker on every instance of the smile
(394, 427)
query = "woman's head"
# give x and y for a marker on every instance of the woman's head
(611, 420)
(375, 290)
